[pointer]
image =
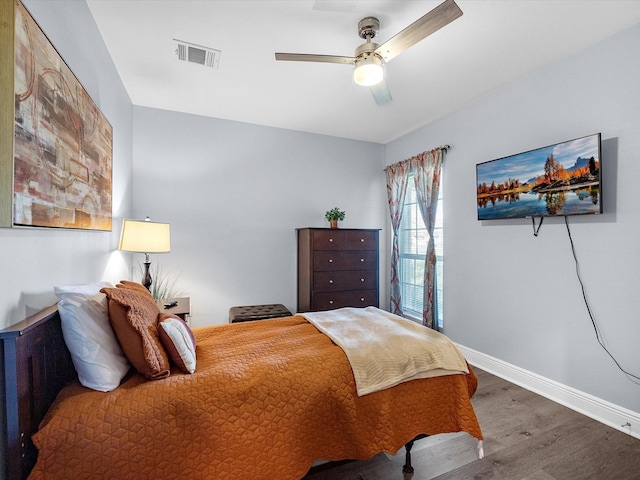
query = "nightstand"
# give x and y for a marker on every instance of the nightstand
(181, 308)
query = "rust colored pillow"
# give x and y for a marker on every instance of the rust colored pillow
(178, 341)
(133, 314)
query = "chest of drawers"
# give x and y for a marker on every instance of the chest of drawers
(337, 268)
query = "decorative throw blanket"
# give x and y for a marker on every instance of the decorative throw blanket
(385, 349)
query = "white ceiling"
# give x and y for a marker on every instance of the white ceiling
(493, 43)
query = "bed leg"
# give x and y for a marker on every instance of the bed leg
(407, 468)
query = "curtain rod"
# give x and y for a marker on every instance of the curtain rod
(444, 148)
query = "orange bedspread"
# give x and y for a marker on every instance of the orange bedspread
(266, 400)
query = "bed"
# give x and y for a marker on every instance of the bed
(266, 400)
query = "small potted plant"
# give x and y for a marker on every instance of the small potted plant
(334, 216)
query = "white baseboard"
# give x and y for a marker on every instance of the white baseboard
(617, 417)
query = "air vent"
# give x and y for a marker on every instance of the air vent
(189, 52)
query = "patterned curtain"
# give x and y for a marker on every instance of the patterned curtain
(426, 169)
(397, 179)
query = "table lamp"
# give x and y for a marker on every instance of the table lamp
(145, 236)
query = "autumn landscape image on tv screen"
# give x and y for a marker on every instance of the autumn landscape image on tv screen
(560, 179)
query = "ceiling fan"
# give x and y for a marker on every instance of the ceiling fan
(369, 58)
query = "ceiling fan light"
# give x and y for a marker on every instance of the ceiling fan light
(369, 71)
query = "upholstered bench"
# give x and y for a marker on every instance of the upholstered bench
(257, 312)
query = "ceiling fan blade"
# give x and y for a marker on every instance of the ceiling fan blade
(433, 21)
(305, 57)
(381, 92)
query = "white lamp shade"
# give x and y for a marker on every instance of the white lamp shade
(369, 71)
(145, 237)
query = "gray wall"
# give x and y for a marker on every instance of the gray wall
(34, 260)
(514, 296)
(234, 194)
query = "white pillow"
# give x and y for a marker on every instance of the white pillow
(95, 351)
(179, 342)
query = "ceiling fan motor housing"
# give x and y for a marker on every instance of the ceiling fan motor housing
(366, 49)
(365, 53)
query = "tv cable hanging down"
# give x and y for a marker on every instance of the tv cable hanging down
(593, 320)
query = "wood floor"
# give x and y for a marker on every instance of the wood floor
(527, 437)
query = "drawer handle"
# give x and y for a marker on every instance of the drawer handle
(331, 260)
(362, 259)
(330, 302)
(330, 281)
(362, 279)
(362, 240)
(362, 299)
(331, 240)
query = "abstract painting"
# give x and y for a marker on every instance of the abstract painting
(62, 154)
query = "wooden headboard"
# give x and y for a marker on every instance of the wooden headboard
(36, 365)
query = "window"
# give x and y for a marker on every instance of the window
(412, 242)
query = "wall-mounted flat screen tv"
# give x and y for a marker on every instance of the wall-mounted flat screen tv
(557, 180)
